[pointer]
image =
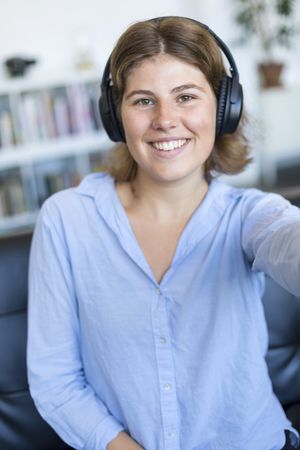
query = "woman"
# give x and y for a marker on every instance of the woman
(146, 328)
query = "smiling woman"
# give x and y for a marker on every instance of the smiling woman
(197, 48)
(150, 333)
(168, 112)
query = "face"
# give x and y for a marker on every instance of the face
(169, 116)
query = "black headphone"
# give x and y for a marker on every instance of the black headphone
(230, 99)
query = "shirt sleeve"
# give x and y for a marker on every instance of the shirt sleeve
(271, 238)
(55, 370)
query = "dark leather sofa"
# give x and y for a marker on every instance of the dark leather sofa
(282, 311)
(22, 428)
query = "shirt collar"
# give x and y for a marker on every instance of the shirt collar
(101, 187)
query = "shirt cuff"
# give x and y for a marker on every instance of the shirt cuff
(103, 434)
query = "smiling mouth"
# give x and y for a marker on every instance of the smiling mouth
(167, 146)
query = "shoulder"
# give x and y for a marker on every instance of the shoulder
(248, 199)
(70, 203)
(255, 211)
(90, 187)
(251, 207)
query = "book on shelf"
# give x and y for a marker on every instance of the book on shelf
(16, 113)
(12, 201)
(61, 110)
(46, 112)
(59, 181)
(93, 93)
(31, 116)
(7, 133)
(52, 175)
(42, 118)
(80, 109)
(31, 121)
(7, 137)
(3, 204)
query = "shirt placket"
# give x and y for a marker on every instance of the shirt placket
(166, 372)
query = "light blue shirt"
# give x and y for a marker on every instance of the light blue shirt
(179, 365)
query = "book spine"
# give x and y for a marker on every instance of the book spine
(7, 136)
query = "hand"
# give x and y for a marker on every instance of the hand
(123, 442)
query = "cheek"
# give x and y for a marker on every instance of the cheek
(134, 128)
(204, 121)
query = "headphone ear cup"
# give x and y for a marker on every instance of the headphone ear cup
(222, 108)
(230, 105)
(108, 113)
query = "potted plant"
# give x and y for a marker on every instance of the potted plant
(272, 23)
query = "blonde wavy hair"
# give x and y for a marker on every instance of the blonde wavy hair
(188, 41)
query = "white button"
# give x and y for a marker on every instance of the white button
(171, 434)
(158, 291)
(162, 340)
(167, 387)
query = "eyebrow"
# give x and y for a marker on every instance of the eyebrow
(181, 88)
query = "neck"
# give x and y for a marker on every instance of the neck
(167, 201)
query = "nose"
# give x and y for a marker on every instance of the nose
(165, 117)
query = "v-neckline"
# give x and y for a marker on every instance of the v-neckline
(115, 215)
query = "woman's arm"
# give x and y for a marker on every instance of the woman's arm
(271, 239)
(123, 442)
(55, 371)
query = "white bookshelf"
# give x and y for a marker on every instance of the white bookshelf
(18, 223)
(34, 83)
(50, 137)
(73, 145)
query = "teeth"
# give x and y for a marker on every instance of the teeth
(169, 145)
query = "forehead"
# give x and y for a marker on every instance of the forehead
(163, 68)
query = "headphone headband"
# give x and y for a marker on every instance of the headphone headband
(230, 98)
(219, 41)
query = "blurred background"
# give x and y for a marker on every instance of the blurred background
(52, 54)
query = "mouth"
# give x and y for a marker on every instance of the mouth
(167, 146)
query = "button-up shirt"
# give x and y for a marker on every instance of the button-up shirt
(180, 364)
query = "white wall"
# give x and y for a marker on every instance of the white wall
(50, 29)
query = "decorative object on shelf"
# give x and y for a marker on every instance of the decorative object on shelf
(17, 65)
(270, 74)
(84, 60)
(272, 23)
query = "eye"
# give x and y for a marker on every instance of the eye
(143, 101)
(185, 98)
